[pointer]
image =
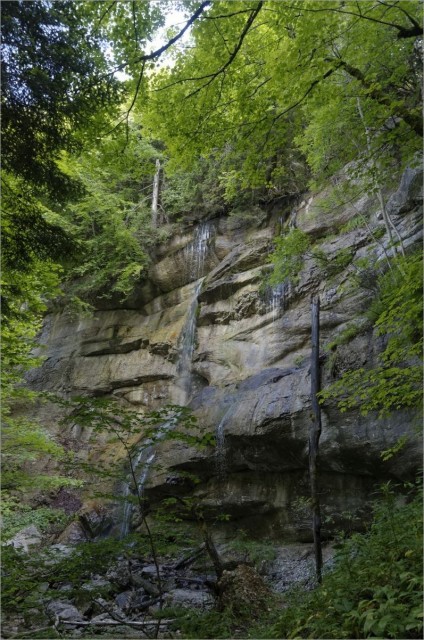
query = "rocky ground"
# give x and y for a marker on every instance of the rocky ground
(125, 601)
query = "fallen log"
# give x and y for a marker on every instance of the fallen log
(189, 559)
(115, 623)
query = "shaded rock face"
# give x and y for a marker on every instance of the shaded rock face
(247, 377)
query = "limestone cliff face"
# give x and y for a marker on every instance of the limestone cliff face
(246, 373)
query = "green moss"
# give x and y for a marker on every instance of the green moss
(354, 223)
(345, 336)
(333, 264)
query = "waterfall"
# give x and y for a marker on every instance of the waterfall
(196, 253)
(220, 445)
(276, 300)
(186, 348)
(125, 492)
(141, 476)
(141, 465)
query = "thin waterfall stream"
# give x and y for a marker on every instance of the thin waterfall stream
(196, 253)
(276, 303)
(277, 300)
(220, 445)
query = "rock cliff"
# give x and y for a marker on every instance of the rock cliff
(203, 329)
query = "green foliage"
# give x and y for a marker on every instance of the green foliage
(397, 380)
(392, 451)
(267, 117)
(131, 431)
(20, 581)
(198, 624)
(16, 516)
(112, 220)
(30, 232)
(107, 416)
(288, 256)
(196, 192)
(333, 264)
(24, 574)
(349, 333)
(25, 289)
(54, 87)
(257, 551)
(24, 442)
(375, 588)
(354, 223)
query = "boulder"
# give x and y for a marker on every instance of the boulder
(124, 600)
(26, 538)
(63, 610)
(190, 599)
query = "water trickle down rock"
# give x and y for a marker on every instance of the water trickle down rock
(147, 452)
(185, 352)
(197, 250)
(141, 465)
(276, 299)
(220, 446)
(126, 491)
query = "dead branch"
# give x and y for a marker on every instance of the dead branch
(115, 623)
(189, 559)
(113, 615)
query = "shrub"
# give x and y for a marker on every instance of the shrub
(375, 589)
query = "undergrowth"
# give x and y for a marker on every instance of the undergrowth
(376, 587)
(373, 591)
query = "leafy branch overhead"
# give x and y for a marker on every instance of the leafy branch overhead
(116, 146)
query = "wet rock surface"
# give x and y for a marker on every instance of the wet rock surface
(248, 378)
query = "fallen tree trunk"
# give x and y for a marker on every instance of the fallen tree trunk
(115, 623)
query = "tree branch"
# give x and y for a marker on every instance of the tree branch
(158, 52)
(236, 49)
(125, 117)
(115, 623)
(134, 17)
(403, 32)
(396, 6)
(105, 12)
(305, 95)
(227, 15)
(414, 121)
(113, 615)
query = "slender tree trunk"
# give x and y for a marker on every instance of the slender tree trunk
(314, 435)
(149, 535)
(389, 224)
(155, 196)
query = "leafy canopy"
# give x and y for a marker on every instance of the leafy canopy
(111, 222)
(270, 81)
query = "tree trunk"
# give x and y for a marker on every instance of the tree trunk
(211, 548)
(314, 435)
(388, 222)
(155, 195)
